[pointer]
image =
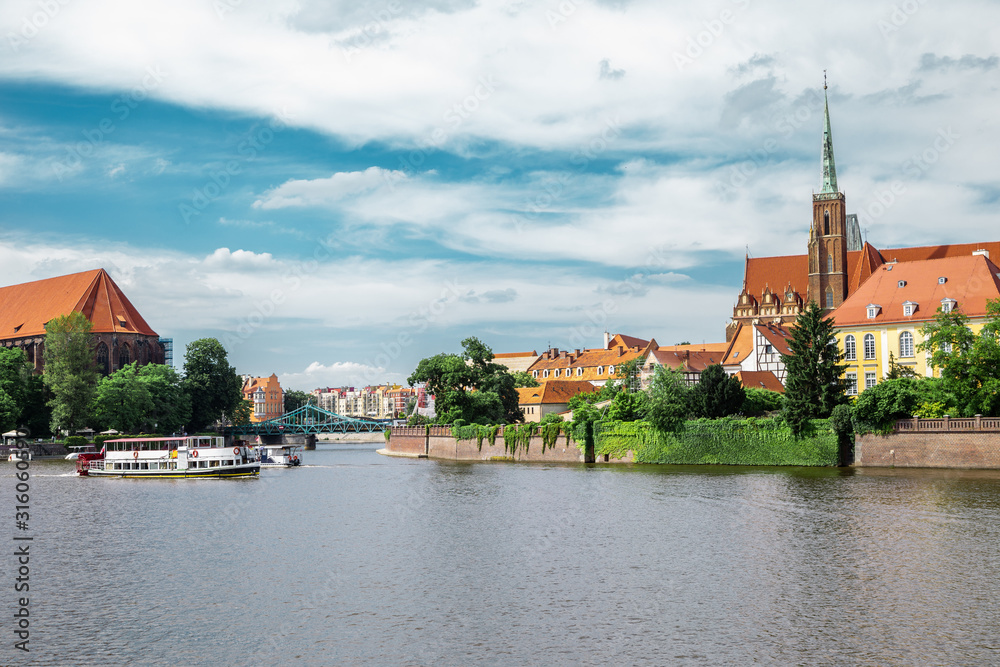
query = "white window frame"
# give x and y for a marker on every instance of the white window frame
(600, 370)
(545, 373)
(906, 345)
(870, 351)
(870, 379)
(852, 383)
(611, 370)
(851, 350)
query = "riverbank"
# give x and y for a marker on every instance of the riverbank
(352, 437)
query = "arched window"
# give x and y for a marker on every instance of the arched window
(102, 358)
(850, 348)
(869, 346)
(829, 263)
(826, 223)
(124, 356)
(906, 344)
(829, 297)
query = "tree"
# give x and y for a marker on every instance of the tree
(897, 370)
(295, 399)
(14, 373)
(524, 379)
(759, 401)
(668, 400)
(171, 407)
(628, 407)
(717, 394)
(469, 386)
(69, 370)
(878, 408)
(122, 401)
(211, 383)
(813, 384)
(969, 364)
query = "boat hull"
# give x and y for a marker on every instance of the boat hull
(219, 473)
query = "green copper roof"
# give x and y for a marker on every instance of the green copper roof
(829, 166)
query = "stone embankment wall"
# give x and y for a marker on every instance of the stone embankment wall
(933, 443)
(437, 442)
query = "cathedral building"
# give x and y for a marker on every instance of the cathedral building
(120, 334)
(837, 263)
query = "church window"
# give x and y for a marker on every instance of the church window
(850, 349)
(906, 344)
(102, 358)
(829, 263)
(829, 297)
(124, 357)
(869, 346)
(826, 223)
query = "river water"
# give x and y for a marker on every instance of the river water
(360, 559)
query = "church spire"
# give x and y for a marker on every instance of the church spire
(829, 166)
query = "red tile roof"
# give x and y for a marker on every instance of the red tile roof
(25, 308)
(970, 280)
(760, 380)
(686, 359)
(514, 355)
(553, 391)
(626, 341)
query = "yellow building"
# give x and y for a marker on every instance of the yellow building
(884, 315)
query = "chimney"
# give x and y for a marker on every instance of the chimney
(621, 350)
(984, 253)
(576, 353)
(607, 340)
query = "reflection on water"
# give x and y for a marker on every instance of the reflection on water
(359, 559)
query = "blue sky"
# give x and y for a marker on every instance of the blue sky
(338, 189)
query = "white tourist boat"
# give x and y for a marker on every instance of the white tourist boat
(191, 456)
(80, 449)
(280, 456)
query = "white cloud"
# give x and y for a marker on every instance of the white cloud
(241, 260)
(328, 191)
(336, 374)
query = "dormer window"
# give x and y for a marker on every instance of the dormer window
(909, 307)
(948, 305)
(545, 373)
(942, 280)
(18, 327)
(611, 370)
(600, 370)
(901, 283)
(873, 310)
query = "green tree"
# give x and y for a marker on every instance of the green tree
(524, 379)
(669, 400)
(171, 408)
(897, 370)
(760, 401)
(469, 386)
(969, 364)
(122, 401)
(211, 383)
(878, 408)
(295, 399)
(70, 374)
(717, 394)
(628, 407)
(14, 388)
(813, 384)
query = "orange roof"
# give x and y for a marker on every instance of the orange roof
(741, 346)
(686, 359)
(776, 335)
(780, 272)
(513, 355)
(970, 280)
(760, 380)
(626, 341)
(554, 391)
(26, 308)
(697, 347)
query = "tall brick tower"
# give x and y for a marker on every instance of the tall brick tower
(828, 234)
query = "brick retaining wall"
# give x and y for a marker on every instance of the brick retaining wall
(933, 443)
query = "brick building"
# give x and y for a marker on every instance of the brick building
(120, 333)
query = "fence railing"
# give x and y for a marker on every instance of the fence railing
(977, 423)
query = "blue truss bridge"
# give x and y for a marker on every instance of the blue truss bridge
(309, 420)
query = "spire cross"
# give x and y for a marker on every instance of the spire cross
(824, 79)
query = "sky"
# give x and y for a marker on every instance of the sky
(336, 189)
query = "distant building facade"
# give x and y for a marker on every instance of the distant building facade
(265, 396)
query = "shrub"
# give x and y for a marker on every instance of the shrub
(878, 408)
(761, 401)
(75, 441)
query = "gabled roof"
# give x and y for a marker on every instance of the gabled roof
(26, 308)
(776, 335)
(686, 359)
(741, 346)
(627, 341)
(697, 347)
(760, 380)
(553, 391)
(515, 355)
(587, 358)
(868, 262)
(970, 279)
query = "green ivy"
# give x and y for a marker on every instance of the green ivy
(727, 441)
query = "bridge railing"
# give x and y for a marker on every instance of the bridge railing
(944, 424)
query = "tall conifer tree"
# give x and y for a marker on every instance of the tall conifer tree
(813, 383)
